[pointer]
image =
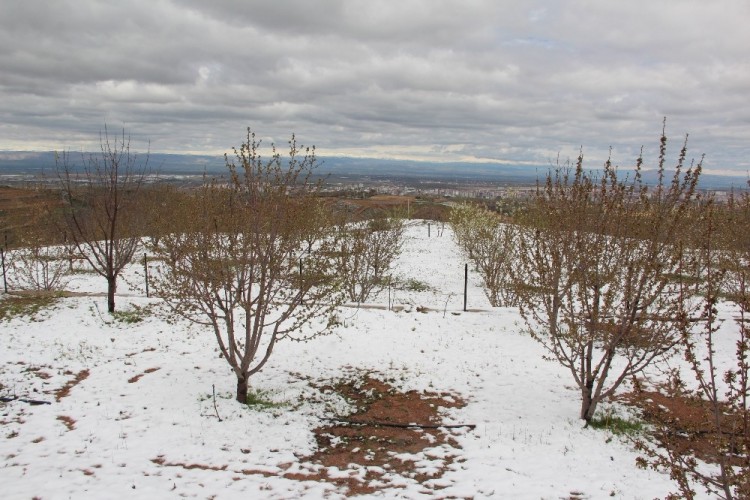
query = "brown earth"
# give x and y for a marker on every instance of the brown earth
(20, 198)
(686, 424)
(391, 436)
(17, 206)
(417, 208)
(64, 391)
(368, 444)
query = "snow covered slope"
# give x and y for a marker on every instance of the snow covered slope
(138, 418)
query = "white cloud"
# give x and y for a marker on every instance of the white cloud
(438, 79)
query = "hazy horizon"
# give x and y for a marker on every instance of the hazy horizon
(34, 163)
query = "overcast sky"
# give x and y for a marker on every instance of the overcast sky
(480, 80)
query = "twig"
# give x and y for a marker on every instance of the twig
(213, 388)
(372, 423)
(446, 304)
(100, 314)
(33, 402)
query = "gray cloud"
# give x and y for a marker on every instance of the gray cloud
(517, 81)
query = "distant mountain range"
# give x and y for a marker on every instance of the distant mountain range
(24, 163)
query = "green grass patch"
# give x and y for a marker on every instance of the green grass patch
(617, 425)
(413, 285)
(131, 316)
(82, 270)
(261, 400)
(27, 304)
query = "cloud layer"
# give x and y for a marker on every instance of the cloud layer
(516, 81)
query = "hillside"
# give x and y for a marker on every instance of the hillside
(132, 410)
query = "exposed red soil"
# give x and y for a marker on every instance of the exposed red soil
(686, 423)
(160, 460)
(136, 378)
(69, 422)
(367, 450)
(37, 370)
(64, 391)
(370, 452)
(148, 349)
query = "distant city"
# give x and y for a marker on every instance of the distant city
(353, 175)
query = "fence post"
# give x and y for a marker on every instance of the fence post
(466, 283)
(428, 229)
(145, 270)
(5, 281)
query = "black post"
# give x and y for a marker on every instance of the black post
(5, 281)
(145, 269)
(428, 229)
(466, 283)
(301, 281)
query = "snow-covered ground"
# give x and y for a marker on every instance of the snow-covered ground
(118, 435)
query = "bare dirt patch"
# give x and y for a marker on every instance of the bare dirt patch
(160, 460)
(39, 371)
(148, 349)
(64, 391)
(687, 424)
(384, 439)
(136, 378)
(391, 436)
(69, 422)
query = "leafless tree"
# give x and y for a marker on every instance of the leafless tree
(491, 244)
(365, 253)
(723, 385)
(467, 220)
(252, 262)
(40, 260)
(99, 205)
(599, 271)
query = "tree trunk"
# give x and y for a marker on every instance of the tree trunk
(111, 288)
(242, 387)
(588, 405)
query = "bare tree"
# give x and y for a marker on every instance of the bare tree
(722, 385)
(365, 253)
(491, 244)
(161, 204)
(41, 260)
(100, 208)
(599, 271)
(467, 220)
(253, 263)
